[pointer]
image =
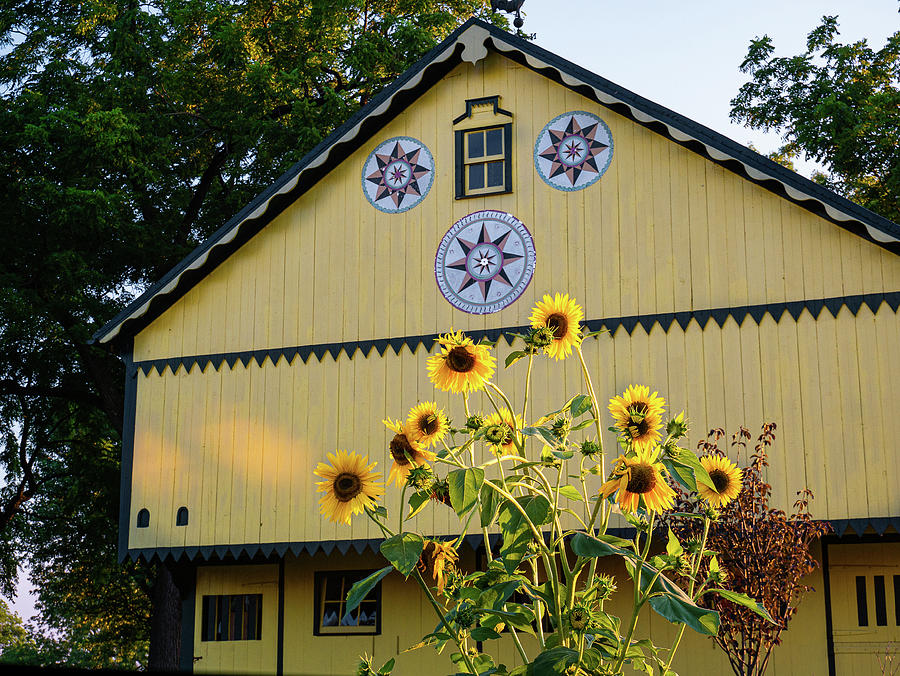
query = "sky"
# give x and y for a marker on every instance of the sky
(686, 55)
(682, 55)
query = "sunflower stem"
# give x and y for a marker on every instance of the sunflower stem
(638, 601)
(440, 614)
(695, 569)
(527, 388)
(596, 412)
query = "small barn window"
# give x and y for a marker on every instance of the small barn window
(181, 518)
(483, 149)
(880, 602)
(897, 599)
(862, 608)
(232, 617)
(331, 588)
(143, 518)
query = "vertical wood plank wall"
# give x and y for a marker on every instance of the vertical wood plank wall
(406, 616)
(237, 446)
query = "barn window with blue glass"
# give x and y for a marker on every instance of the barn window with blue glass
(331, 615)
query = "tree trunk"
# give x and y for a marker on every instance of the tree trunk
(165, 623)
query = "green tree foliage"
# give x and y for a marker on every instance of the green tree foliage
(128, 133)
(838, 104)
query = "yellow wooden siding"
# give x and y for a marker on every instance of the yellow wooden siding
(239, 657)
(858, 648)
(663, 230)
(237, 446)
(407, 616)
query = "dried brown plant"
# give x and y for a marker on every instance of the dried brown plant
(765, 553)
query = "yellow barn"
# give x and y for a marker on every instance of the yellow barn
(489, 174)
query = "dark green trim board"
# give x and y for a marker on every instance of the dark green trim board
(127, 459)
(279, 657)
(470, 42)
(188, 612)
(826, 589)
(612, 324)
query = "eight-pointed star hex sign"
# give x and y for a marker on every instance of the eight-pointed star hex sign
(573, 150)
(398, 174)
(485, 261)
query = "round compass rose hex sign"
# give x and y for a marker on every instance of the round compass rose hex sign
(573, 150)
(398, 174)
(485, 261)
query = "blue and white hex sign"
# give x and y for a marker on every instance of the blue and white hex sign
(398, 174)
(485, 261)
(573, 151)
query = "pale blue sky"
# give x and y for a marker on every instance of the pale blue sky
(686, 55)
(682, 55)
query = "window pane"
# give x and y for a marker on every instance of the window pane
(222, 619)
(862, 609)
(250, 608)
(476, 176)
(330, 615)
(208, 623)
(236, 623)
(494, 141)
(495, 174)
(880, 602)
(476, 144)
(333, 588)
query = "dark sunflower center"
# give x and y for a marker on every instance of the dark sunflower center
(428, 423)
(347, 486)
(719, 479)
(400, 448)
(642, 479)
(638, 419)
(559, 323)
(460, 360)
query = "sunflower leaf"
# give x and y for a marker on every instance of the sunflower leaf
(571, 493)
(403, 551)
(583, 424)
(361, 589)
(464, 486)
(673, 546)
(581, 404)
(743, 600)
(417, 502)
(687, 458)
(681, 473)
(490, 502)
(513, 357)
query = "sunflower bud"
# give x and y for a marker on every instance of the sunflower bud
(677, 427)
(475, 422)
(561, 426)
(498, 434)
(420, 478)
(683, 565)
(606, 587)
(579, 618)
(539, 338)
(572, 670)
(589, 448)
(711, 513)
(440, 491)
(534, 547)
(465, 618)
(718, 576)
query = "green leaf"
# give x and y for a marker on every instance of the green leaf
(386, 668)
(673, 546)
(688, 458)
(513, 357)
(683, 474)
(679, 608)
(562, 454)
(545, 433)
(581, 404)
(515, 530)
(403, 551)
(604, 545)
(490, 503)
(743, 600)
(484, 634)
(464, 487)
(571, 493)
(555, 661)
(361, 589)
(583, 424)
(417, 502)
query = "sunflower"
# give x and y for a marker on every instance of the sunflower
(638, 415)
(461, 366)
(429, 422)
(564, 316)
(726, 476)
(350, 485)
(436, 559)
(500, 431)
(406, 450)
(640, 479)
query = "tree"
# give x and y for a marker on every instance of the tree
(129, 132)
(838, 104)
(762, 552)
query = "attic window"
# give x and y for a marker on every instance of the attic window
(483, 149)
(143, 518)
(181, 518)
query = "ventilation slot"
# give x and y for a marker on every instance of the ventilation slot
(143, 518)
(181, 518)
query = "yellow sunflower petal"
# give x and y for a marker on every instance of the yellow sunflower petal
(564, 316)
